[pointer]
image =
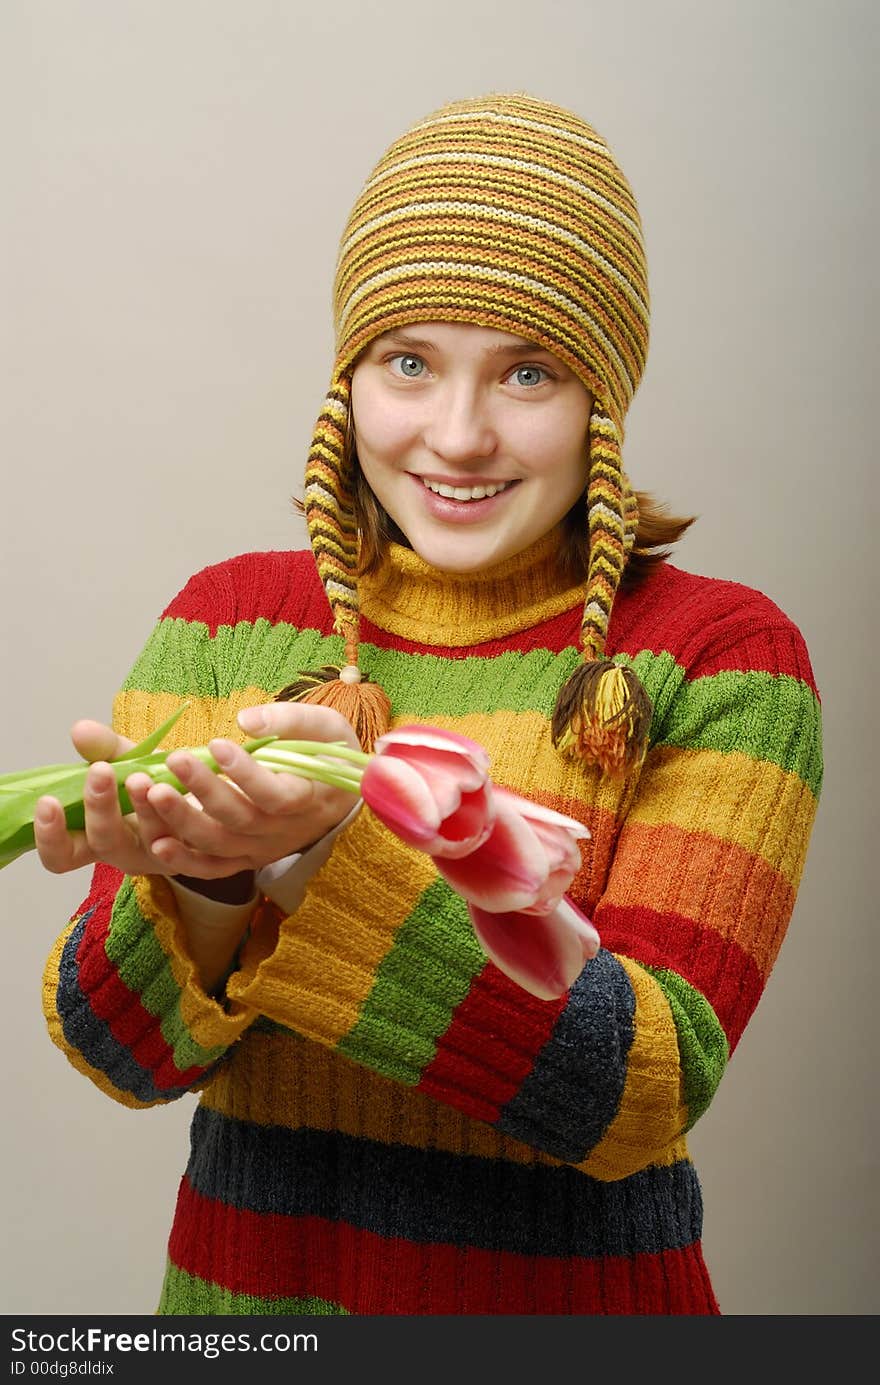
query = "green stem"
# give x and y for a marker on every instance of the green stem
(319, 761)
(327, 762)
(320, 770)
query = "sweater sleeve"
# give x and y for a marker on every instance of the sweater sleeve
(699, 891)
(121, 995)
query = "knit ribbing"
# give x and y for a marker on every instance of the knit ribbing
(408, 597)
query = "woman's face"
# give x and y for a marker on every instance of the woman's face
(474, 441)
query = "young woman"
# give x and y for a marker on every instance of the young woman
(387, 1123)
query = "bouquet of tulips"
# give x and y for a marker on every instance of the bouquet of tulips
(510, 859)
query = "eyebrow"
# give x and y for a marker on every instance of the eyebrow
(515, 348)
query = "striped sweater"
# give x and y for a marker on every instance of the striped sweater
(386, 1123)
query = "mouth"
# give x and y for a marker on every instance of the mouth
(466, 494)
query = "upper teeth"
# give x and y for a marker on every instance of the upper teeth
(465, 492)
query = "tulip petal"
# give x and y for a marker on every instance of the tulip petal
(544, 954)
(465, 830)
(507, 872)
(432, 739)
(448, 776)
(436, 762)
(537, 814)
(399, 796)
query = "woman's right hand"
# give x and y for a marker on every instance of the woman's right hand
(120, 840)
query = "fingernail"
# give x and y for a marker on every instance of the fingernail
(43, 813)
(223, 752)
(253, 720)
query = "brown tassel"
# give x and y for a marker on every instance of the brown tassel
(364, 703)
(603, 715)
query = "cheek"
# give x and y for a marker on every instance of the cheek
(557, 445)
(381, 428)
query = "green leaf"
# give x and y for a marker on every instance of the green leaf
(23, 778)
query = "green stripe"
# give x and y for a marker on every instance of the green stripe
(770, 717)
(427, 684)
(660, 676)
(702, 1042)
(418, 986)
(144, 967)
(180, 658)
(186, 1294)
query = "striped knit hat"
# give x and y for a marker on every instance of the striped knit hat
(509, 213)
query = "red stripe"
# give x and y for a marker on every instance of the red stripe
(671, 612)
(279, 587)
(268, 1255)
(684, 615)
(111, 1000)
(717, 967)
(481, 1025)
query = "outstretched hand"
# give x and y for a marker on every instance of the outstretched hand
(238, 821)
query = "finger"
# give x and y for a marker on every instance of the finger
(177, 858)
(104, 825)
(95, 741)
(173, 855)
(303, 721)
(222, 802)
(150, 825)
(59, 850)
(271, 793)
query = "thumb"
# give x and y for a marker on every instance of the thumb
(95, 741)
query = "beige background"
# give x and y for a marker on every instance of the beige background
(176, 175)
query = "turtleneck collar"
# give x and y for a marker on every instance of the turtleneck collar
(409, 598)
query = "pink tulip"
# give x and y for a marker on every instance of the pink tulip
(511, 859)
(543, 953)
(526, 863)
(515, 885)
(432, 789)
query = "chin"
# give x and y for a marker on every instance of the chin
(447, 558)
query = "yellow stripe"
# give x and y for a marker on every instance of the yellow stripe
(209, 1025)
(137, 713)
(324, 966)
(282, 1079)
(752, 803)
(651, 1115)
(504, 734)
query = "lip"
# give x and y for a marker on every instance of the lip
(444, 508)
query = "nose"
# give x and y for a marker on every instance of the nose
(459, 428)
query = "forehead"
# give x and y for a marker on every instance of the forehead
(436, 336)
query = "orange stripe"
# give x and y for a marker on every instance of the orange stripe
(714, 883)
(766, 810)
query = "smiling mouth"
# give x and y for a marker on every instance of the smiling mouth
(464, 492)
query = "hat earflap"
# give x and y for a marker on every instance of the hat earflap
(332, 526)
(603, 713)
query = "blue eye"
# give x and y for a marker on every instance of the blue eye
(529, 375)
(410, 366)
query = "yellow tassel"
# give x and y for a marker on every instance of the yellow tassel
(603, 715)
(364, 703)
